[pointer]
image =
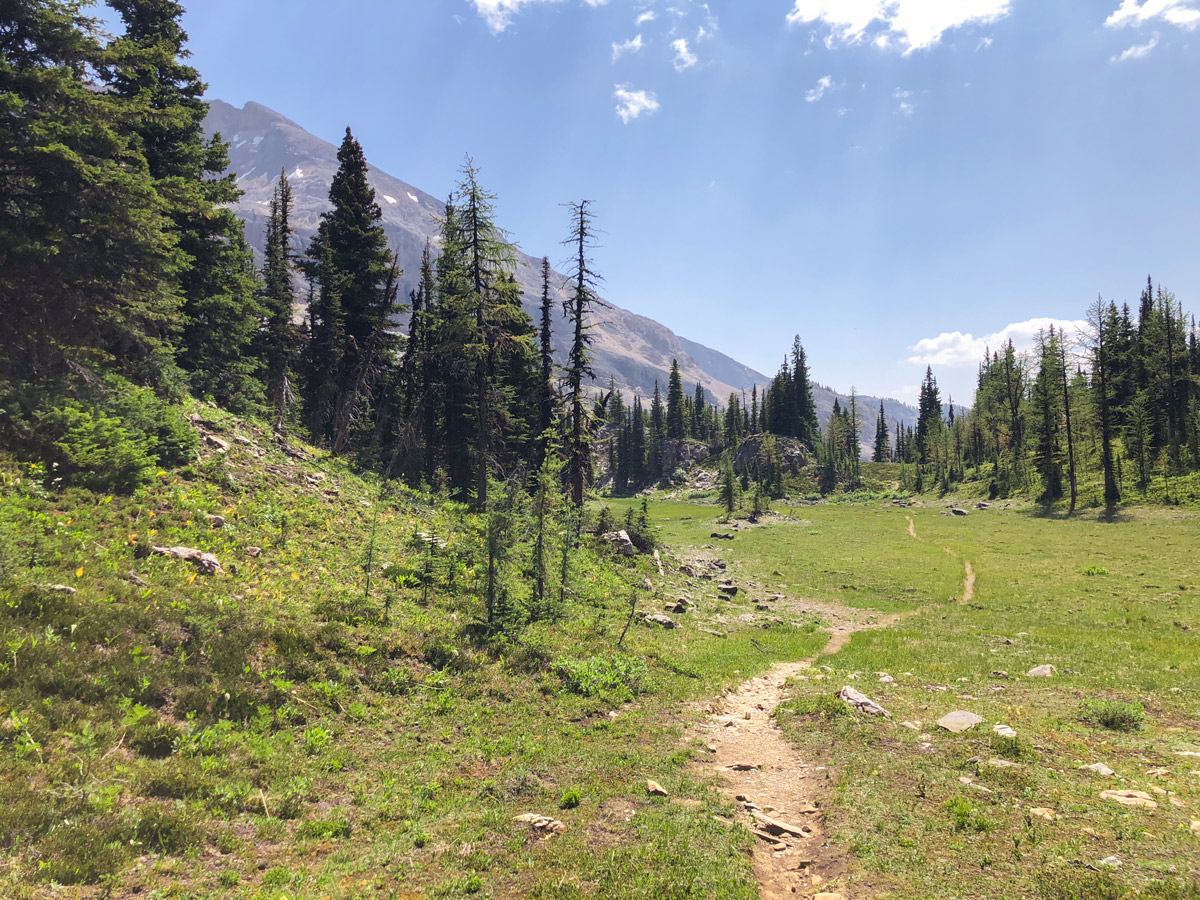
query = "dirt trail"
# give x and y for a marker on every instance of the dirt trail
(768, 777)
(912, 527)
(969, 584)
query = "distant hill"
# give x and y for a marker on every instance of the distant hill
(632, 350)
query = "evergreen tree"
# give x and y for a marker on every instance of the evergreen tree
(355, 278)
(676, 428)
(882, 448)
(577, 309)
(89, 266)
(280, 338)
(546, 392)
(221, 315)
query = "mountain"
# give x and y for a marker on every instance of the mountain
(630, 349)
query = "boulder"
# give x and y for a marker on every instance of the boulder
(216, 443)
(1099, 769)
(728, 589)
(862, 703)
(955, 511)
(959, 721)
(206, 563)
(620, 539)
(659, 619)
(214, 521)
(654, 789)
(1046, 671)
(792, 453)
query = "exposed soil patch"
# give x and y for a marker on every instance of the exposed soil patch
(912, 528)
(782, 795)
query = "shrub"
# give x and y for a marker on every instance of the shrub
(1095, 570)
(1113, 714)
(608, 672)
(152, 737)
(571, 799)
(83, 854)
(90, 449)
(169, 829)
(821, 707)
(326, 828)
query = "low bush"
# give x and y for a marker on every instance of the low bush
(1113, 714)
(615, 673)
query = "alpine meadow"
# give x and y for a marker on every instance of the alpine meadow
(350, 548)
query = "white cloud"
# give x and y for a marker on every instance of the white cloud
(824, 84)
(1137, 51)
(684, 57)
(905, 106)
(499, 13)
(954, 348)
(915, 24)
(1183, 13)
(647, 16)
(983, 44)
(631, 103)
(633, 45)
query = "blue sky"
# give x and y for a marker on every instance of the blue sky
(898, 181)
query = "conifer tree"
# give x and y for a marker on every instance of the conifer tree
(355, 277)
(882, 448)
(676, 430)
(74, 180)
(280, 338)
(165, 96)
(546, 355)
(577, 309)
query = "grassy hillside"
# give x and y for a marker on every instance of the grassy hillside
(280, 730)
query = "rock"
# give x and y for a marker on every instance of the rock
(1041, 672)
(1099, 769)
(214, 521)
(1195, 826)
(959, 721)
(743, 767)
(826, 895)
(913, 726)
(778, 827)
(793, 454)
(1041, 812)
(730, 590)
(676, 607)
(1000, 673)
(654, 789)
(1004, 731)
(1003, 764)
(243, 440)
(659, 619)
(886, 679)
(862, 703)
(721, 537)
(254, 552)
(955, 511)
(1110, 862)
(216, 443)
(58, 588)
(544, 824)
(206, 563)
(620, 539)
(688, 570)
(1129, 798)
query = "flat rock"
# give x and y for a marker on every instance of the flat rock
(913, 726)
(1098, 768)
(1042, 812)
(862, 703)
(1110, 862)
(216, 443)
(1195, 826)
(1046, 671)
(654, 789)
(1003, 764)
(959, 721)
(1004, 730)
(1129, 798)
(778, 827)
(660, 619)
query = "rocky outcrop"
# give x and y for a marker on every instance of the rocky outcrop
(794, 454)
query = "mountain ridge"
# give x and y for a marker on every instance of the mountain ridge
(631, 350)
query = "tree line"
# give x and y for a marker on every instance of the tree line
(1113, 411)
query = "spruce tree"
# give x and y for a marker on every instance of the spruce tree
(356, 282)
(882, 449)
(221, 315)
(89, 265)
(280, 337)
(676, 428)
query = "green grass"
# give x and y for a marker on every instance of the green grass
(281, 730)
